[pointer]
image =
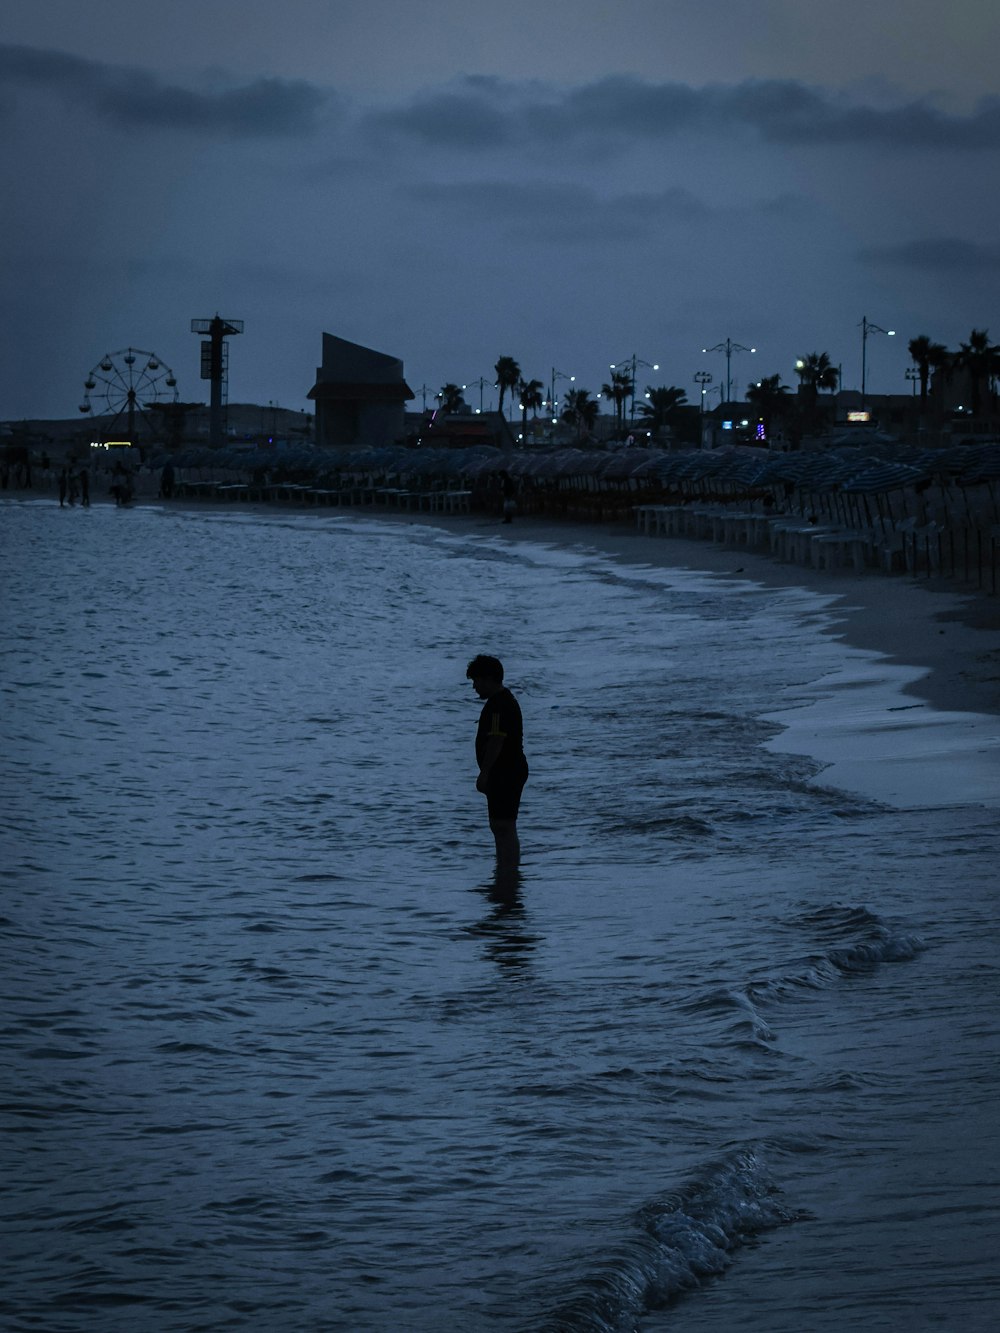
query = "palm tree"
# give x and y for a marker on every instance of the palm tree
(508, 376)
(926, 356)
(981, 361)
(816, 371)
(661, 405)
(770, 397)
(620, 389)
(529, 396)
(580, 411)
(450, 398)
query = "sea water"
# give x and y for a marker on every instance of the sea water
(279, 1052)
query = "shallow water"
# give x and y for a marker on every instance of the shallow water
(279, 1053)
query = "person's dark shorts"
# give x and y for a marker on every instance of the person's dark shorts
(503, 796)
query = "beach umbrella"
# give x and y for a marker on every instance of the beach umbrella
(882, 477)
(877, 480)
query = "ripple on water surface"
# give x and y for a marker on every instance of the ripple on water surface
(277, 1050)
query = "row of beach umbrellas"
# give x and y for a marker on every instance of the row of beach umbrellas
(874, 468)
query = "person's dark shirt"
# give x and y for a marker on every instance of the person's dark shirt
(501, 716)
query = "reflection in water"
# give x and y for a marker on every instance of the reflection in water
(506, 941)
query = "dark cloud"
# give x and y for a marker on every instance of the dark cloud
(561, 213)
(131, 99)
(943, 254)
(487, 113)
(479, 113)
(788, 112)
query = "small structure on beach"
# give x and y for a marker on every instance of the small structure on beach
(462, 430)
(360, 396)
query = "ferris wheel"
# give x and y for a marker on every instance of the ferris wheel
(125, 385)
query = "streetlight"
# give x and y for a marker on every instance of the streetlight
(479, 384)
(729, 347)
(557, 375)
(703, 378)
(634, 361)
(868, 327)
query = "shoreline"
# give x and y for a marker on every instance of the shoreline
(939, 647)
(952, 634)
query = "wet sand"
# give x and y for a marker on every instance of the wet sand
(951, 633)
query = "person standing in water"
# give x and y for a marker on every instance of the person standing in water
(503, 769)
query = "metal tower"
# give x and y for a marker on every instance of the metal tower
(215, 367)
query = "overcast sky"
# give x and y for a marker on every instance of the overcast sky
(570, 184)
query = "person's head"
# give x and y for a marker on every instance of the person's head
(486, 674)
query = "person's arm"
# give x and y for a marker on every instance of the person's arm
(494, 744)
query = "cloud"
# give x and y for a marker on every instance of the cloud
(476, 113)
(945, 254)
(479, 113)
(133, 99)
(561, 212)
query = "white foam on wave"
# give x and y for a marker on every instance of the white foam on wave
(876, 741)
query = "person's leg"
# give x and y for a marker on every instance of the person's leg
(508, 846)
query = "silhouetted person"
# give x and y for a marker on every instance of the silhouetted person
(85, 487)
(503, 769)
(74, 486)
(167, 481)
(63, 487)
(509, 489)
(121, 487)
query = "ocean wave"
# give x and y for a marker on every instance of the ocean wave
(678, 1242)
(858, 942)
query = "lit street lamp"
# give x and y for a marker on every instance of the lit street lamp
(729, 347)
(556, 375)
(634, 362)
(868, 327)
(479, 384)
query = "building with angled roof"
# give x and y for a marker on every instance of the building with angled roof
(360, 396)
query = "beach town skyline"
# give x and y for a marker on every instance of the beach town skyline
(777, 177)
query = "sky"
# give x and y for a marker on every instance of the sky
(571, 183)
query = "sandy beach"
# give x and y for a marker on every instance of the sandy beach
(948, 630)
(923, 641)
(952, 634)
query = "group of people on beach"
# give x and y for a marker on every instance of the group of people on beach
(18, 472)
(74, 485)
(71, 481)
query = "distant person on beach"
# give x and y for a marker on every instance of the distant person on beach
(503, 769)
(85, 487)
(167, 481)
(509, 489)
(121, 485)
(63, 487)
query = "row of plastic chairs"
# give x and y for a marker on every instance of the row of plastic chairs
(797, 540)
